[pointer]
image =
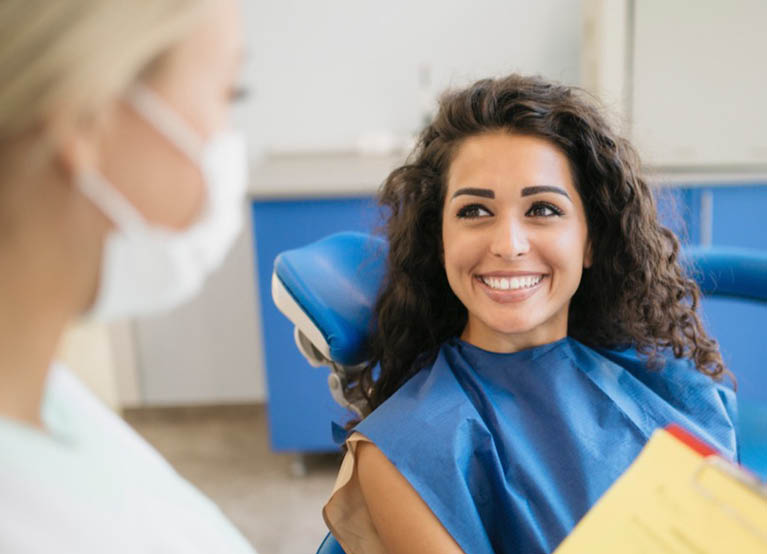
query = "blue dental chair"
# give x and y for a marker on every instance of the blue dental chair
(328, 288)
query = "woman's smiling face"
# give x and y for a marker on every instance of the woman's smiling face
(515, 239)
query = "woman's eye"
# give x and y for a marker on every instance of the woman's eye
(473, 211)
(238, 94)
(544, 209)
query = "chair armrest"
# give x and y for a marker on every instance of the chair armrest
(729, 272)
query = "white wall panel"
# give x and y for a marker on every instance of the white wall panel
(325, 73)
(699, 82)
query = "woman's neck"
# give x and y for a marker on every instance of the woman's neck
(29, 336)
(488, 338)
(49, 266)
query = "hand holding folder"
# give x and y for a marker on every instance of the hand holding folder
(677, 497)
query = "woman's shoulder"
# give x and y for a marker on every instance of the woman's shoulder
(87, 464)
(667, 374)
(671, 390)
(432, 399)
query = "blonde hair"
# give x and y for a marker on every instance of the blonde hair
(69, 58)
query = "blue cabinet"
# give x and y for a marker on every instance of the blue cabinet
(299, 403)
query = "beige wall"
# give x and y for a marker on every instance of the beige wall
(86, 350)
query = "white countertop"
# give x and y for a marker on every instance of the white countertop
(338, 174)
(321, 174)
(706, 177)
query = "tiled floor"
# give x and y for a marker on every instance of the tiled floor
(224, 451)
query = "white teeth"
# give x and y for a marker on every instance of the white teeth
(513, 283)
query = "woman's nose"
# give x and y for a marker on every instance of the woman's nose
(510, 240)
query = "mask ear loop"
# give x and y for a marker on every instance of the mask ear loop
(166, 121)
(150, 106)
(111, 203)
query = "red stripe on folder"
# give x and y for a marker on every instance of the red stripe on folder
(690, 440)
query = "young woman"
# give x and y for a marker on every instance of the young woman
(120, 189)
(534, 329)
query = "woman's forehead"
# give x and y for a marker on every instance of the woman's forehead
(508, 162)
(216, 46)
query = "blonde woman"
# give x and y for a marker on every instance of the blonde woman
(120, 189)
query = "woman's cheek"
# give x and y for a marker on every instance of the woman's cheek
(467, 249)
(568, 244)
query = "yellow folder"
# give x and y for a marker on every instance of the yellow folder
(677, 497)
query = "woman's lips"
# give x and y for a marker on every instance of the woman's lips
(499, 293)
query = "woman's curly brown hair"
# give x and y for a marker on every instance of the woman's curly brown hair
(635, 293)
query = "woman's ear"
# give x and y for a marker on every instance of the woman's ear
(76, 142)
(74, 153)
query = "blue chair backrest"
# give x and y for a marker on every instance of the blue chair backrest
(729, 272)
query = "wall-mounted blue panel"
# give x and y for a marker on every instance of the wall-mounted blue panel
(740, 219)
(299, 404)
(740, 216)
(679, 210)
(741, 329)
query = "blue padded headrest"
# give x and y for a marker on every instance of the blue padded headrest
(336, 281)
(731, 272)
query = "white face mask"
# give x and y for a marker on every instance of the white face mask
(145, 268)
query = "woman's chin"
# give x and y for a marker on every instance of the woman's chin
(518, 331)
(514, 327)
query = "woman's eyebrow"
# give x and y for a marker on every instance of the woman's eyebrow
(484, 193)
(528, 191)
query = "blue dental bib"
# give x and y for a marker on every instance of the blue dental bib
(511, 450)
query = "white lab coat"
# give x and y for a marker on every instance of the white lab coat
(92, 485)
